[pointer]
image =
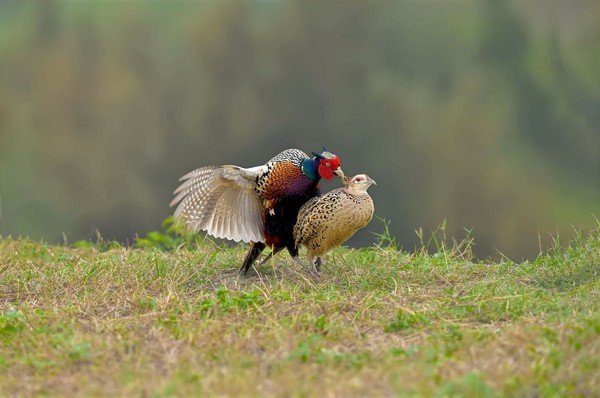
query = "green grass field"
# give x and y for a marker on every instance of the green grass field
(105, 320)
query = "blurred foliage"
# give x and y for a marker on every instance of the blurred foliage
(173, 236)
(486, 114)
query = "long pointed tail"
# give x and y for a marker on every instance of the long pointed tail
(272, 254)
(253, 253)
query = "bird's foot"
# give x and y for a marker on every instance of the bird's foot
(318, 263)
(311, 270)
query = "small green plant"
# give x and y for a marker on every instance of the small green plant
(385, 240)
(406, 320)
(441, 247)
(99, 244)
(79, 351)
(225, 301)
(308, 349)
(470, 385)
(173, 236)
(11, 322)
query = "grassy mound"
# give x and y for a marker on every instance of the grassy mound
(109, 320)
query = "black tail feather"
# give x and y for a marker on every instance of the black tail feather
(273, 253)
(253, 253)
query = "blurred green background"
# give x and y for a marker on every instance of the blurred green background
(484, 113)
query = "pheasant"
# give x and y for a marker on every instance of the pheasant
(327, 221)
(258, 204)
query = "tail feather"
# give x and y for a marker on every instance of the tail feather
(252, 255)
(222, 202)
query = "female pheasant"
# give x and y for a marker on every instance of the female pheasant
(258, 204)
(327, 221)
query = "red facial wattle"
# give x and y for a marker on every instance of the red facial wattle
(327, 166)
(325, 172)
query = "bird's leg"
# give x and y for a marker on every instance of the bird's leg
(313, 264)
(272, 254)
(294, 253)
(318, 263)
(308, 269)
(253, 253)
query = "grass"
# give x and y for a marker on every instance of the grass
(104, 320)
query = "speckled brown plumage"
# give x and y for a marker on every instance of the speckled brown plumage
(327, 221)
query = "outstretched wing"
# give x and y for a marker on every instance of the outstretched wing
(221, 201)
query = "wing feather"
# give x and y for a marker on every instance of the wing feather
(244, 206)
(221, 200)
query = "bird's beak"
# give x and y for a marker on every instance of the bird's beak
(372, 181)
(339, 172)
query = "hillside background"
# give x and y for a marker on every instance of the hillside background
(484, 113)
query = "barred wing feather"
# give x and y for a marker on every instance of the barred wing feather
(221, 201)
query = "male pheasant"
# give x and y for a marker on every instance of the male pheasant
(327, 221)
(258, 204)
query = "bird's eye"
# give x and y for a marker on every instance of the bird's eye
(327, 164)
